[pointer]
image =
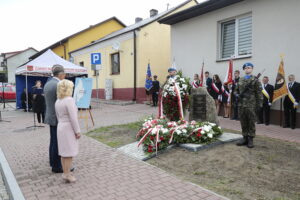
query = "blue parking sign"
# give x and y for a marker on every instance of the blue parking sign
(96, 58)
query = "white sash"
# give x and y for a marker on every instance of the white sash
(264, 91)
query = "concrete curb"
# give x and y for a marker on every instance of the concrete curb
(12, 186)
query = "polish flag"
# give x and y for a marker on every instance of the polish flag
(202, 81)
(229, 74)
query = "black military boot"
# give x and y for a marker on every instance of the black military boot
(243, 141)
(250, 142)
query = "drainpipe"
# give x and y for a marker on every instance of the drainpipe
(134, 66)
(65, 53)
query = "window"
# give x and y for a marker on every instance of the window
(81, 64)
(236, 37)
(115, 63)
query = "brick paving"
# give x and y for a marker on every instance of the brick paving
(272, 131)
(102, 172)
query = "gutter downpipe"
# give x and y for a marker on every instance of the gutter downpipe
(65, 53)
(134, 65)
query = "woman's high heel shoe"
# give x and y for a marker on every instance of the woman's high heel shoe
(70, 179)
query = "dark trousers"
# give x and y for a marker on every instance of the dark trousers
(289, 115)
(40, 116)
(264, 114)
(55, 161)
(155, 98)
(235, 110)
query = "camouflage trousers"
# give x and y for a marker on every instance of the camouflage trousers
(247, 119)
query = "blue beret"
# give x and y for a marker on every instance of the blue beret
(248, 65)
(172, 69)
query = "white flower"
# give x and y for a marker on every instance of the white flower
(182, 79)
(219, 127)
(178, 132)
(165, 130)
(210, 135)
(184, 130)
(206, 128)
(202, 131)
(154, 130)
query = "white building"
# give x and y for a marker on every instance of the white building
(256, 31)
(13, 60)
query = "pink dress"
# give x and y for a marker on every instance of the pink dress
(67, 115)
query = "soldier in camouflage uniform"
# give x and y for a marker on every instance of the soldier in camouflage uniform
(250, 98)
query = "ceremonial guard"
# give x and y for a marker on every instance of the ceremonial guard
(250, 97)
(291, 102)
(264, 112)
(234, 99)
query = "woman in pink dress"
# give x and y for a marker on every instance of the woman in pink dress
(68, 130)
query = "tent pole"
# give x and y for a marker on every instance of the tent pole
(26, 93)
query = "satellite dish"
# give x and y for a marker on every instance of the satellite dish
(116, 46)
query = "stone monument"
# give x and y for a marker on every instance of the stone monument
(202, 106)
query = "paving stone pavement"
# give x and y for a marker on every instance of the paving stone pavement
(102, 172)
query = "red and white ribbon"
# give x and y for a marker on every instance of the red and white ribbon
(160, 106)
(177, 91)
(195, 85)
(215, 88)
(145, 136)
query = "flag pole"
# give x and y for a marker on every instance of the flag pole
(280, 123)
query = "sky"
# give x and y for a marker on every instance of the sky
(40, 23)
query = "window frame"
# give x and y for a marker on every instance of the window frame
(236, 39)
(111, 63)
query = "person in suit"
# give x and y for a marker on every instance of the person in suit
(50, 117)
(234, 99)
(291, 103)
(68, 130)
(155, 90)
(264, 112)
(208, 82)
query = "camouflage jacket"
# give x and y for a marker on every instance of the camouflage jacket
(252, 97)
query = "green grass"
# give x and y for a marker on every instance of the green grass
(109, 134)
(200, 173)
(105, 129)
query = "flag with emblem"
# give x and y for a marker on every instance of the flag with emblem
(280, 89)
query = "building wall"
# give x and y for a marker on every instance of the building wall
(153, 45)
(87, 37)
(275, 30)
(16, 61)
(123, 80)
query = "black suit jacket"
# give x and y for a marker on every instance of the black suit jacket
(208, 83)
(295, 90)
(270, 89)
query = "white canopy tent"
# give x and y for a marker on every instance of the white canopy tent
(39, 69)
(42, 65)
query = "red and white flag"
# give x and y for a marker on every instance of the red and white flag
(229, 74)
(202, 81)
